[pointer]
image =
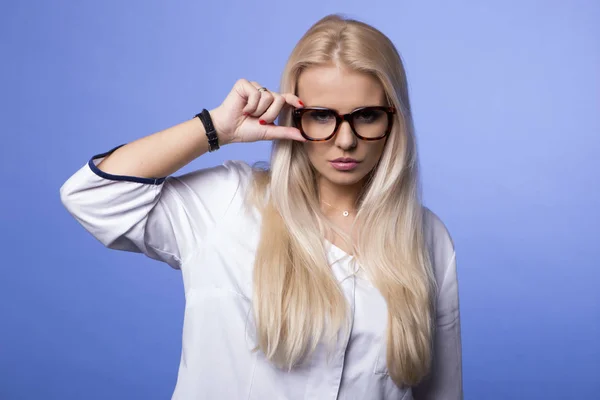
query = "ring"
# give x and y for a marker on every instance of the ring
(263, 89)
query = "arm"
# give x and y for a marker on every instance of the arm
(236, 120)
(126, 200)
(117, 195)
(160, 154)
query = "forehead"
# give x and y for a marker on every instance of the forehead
(339, 88)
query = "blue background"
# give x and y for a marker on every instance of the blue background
(506, 98)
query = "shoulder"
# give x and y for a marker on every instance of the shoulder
(217, 179)
(213, 189)
(440, 244)
(436, 230)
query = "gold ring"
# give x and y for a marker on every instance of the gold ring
(263, 89)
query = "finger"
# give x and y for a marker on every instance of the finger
(275, 132)
(293, 100)
(252, 95)
(266, 99)
(274, 109)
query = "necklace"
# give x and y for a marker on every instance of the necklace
(345, 213)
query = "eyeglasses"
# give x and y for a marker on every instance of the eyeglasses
(320, 124)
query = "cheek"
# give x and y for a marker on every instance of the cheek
(315, 152)
(375, 152)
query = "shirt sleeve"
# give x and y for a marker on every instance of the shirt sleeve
(445, 379)
(163, 218)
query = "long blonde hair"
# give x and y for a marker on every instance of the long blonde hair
(297, 300)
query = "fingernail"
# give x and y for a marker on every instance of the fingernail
(301, 103)
(262, 122)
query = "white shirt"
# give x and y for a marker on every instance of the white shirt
(196, 223)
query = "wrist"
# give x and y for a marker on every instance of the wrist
(215, 115)
(209, 129)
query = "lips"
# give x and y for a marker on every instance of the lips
(344, 164)
(344, 159)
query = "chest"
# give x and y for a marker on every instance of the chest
(219, 292)
(226, 261)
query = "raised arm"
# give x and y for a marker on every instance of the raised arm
(127, 199)
(237, 119)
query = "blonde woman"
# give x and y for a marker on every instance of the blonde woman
(321, 277)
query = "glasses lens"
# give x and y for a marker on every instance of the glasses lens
(318, 124)
(370, 123)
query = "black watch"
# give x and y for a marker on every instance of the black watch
(211, 133)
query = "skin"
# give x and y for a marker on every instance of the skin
(342, 90)
(247, 115)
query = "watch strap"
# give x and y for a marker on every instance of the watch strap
(211, 133)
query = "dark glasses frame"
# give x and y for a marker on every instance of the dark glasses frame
(299, 112)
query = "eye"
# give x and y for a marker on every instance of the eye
(321, 116)
(368, 116)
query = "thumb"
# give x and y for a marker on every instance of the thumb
(276, 132)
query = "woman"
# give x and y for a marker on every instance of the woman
(321, 277)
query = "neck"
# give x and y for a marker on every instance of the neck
(342, 197)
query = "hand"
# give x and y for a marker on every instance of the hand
(247, 115)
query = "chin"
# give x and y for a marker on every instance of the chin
(344, 178)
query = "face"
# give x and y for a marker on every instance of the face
(344, 91)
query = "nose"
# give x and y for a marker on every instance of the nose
(345, 139)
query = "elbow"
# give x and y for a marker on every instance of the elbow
(71, 198)
(67, 196)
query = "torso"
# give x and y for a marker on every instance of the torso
(219, 332)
